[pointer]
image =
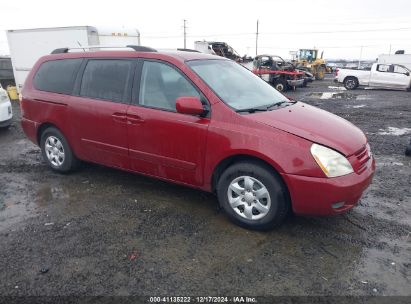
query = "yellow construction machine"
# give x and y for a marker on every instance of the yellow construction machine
(308, 59)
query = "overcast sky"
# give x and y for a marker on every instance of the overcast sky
(338, 27)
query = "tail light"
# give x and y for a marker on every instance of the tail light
(336, 72)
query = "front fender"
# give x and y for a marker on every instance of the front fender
(284, 152)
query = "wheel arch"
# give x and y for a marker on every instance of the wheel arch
(226, 162)
(43, 126)
(350, 76)
(232, 159)
(47, 124)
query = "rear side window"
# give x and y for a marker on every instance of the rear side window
(57, 76)
(106, 79)
(383, 68)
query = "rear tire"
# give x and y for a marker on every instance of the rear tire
(253, 196)
(56, 151)
(351, 83)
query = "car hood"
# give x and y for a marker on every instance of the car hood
(315, 125)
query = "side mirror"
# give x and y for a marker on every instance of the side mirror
(190, 105)
(407, 74)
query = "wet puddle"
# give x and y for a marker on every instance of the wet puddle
(15, 203)
(338, 95)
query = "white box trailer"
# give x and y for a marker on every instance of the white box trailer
(402, 59)
(28, 45)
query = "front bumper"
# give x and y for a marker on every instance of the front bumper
(295, 82)
(316, 196)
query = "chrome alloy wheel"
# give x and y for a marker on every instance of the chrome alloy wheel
(249, 198)
(54, 151)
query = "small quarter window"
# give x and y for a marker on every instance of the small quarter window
(57, 76)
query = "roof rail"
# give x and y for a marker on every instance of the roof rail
(140, 48)
(188, 50)
(137, 48)
(60, 51)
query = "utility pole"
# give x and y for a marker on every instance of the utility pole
(185, 33)
(256, 40)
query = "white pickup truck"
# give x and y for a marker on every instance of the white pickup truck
(386, 76)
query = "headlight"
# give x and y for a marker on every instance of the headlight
(331, 162)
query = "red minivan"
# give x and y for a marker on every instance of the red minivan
(198, 120)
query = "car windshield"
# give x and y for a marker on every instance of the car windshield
(235, 85)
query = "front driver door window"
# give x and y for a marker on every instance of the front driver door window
(161, 85)
(401, 76)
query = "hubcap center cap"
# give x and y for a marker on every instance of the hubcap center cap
(249, 197)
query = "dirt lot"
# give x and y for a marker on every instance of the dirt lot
(105, 232)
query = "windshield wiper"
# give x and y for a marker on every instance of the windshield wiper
(265, 108)
(280, 103)
(252, 110)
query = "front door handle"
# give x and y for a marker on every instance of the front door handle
(133, 119)
(119, 117)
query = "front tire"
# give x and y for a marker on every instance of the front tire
(57, 152)
(280, 85)
(320, 73)
(253, 196)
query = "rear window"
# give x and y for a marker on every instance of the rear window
(57, 76)
(106, 79)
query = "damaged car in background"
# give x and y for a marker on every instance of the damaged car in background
(282, 75)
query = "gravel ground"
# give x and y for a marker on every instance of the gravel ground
(101, 231)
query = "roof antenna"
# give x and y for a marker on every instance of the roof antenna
(80, 45)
